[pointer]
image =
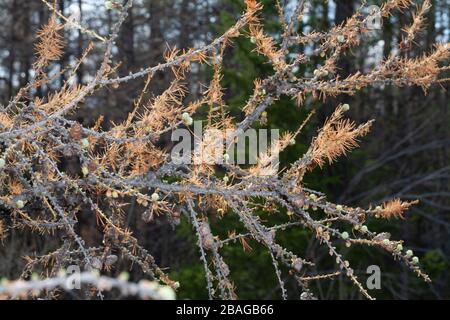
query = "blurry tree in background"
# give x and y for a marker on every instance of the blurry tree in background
(406, 156)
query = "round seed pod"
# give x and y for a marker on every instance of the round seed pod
(20, 204)
(85, 143)
(189, 121)
(109, 5)
(364, 229)
(155, 197)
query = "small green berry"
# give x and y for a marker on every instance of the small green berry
(113, 4)
(84, 143)
(339, 208)
(109, 5)
(20, 204)
(415, 260)
(226, 179)
(386, 242)
(187, 119)
(364, 229)
(253, 40)
(409, 253)
(226, 157)
(344, 235)
(346, 107)
(155, 197)
(341, 38)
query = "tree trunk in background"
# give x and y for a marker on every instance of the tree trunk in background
(26, 53)
(66, 55)
(157, 41)
(344, 10)
(185, 29)
(126, 43)
(80, 44)
(12, 48)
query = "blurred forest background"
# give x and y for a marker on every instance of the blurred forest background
(407, 154)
